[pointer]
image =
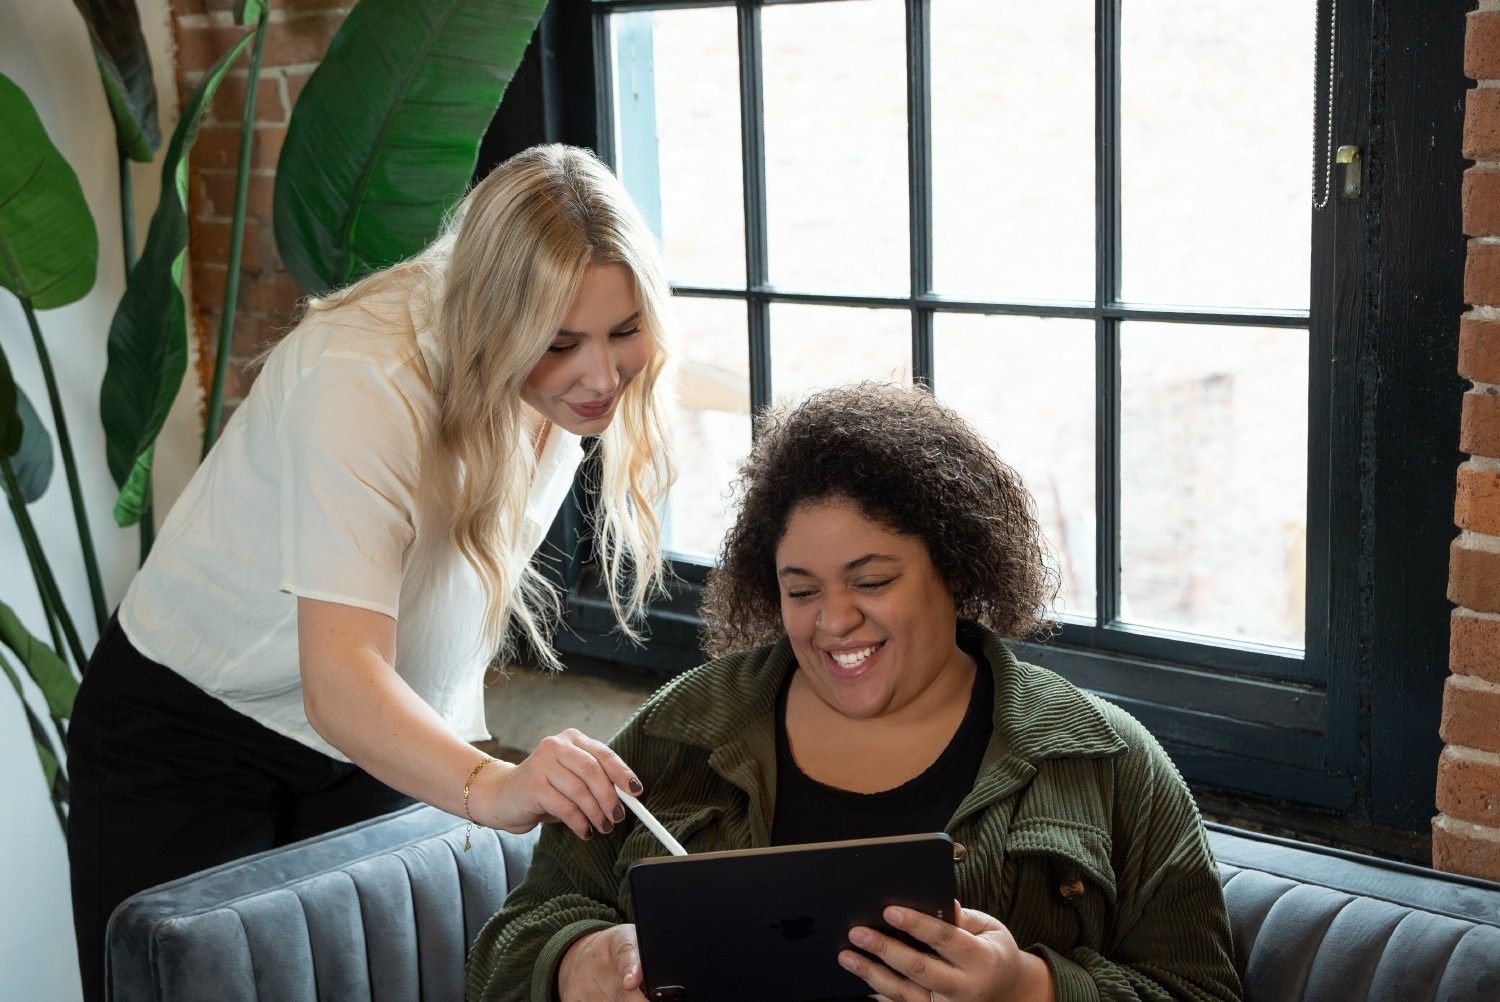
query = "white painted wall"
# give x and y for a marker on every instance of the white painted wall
(44, 48)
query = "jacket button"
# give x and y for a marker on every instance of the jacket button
(1072, 888)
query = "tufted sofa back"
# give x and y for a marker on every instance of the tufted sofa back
(1312, 923)
(382, 910)
(385, 910)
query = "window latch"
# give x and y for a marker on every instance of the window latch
(1349, 182)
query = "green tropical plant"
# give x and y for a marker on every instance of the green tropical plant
(125, 70)
(246, 12)
(48, 253)
(58, 686)
(148, 345)
(383, 141)
(385, 136)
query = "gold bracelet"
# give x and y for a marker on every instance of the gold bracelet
(469, 828)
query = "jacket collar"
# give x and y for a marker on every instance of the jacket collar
(715, 703)
(1037, 715)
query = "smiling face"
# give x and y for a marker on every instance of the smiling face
(577, 382)
(871, 622)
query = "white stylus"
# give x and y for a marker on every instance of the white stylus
(651, 823)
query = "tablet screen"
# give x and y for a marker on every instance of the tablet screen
(767, 925)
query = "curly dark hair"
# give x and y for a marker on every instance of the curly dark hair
(910, 464)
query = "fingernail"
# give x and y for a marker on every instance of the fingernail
(588, 833)
(895, 916)
(607, 828)
(849, 962)
(859, 937)
(635, 785)
(619, 812)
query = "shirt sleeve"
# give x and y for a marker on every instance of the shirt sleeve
(349, 447)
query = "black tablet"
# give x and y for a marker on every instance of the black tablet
(767, 925)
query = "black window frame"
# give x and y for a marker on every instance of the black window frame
(1344, 739)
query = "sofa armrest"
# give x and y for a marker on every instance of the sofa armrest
(1315, 923)
(385, 909)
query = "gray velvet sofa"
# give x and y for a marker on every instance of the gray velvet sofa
(385, 910)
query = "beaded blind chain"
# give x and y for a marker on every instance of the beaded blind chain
(1323, 159)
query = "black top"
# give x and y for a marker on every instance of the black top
(809, 811)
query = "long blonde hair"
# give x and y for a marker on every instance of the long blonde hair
(496, 286)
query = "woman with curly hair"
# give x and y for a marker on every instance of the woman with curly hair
(880, 556)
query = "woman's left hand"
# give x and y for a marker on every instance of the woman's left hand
(977, 960)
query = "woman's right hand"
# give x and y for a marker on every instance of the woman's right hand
(604, 966)
(569, 777)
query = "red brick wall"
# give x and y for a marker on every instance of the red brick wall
(1466, 835)
(296, 38)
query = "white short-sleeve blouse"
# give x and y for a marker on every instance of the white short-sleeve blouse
(322, 487)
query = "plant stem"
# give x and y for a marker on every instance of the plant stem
(47, 609)
(70, 465)
(41, 590)
(147, 524)
(127, 211)
(127, 230)
(62, 819)
(40, 570)
(236, 239)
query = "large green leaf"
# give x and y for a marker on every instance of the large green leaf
(57, 781)
(384, 138)
(125, 68)
(48, 245)
(34, 461)
(23, 437)
(249, 11)
(49, 671)
(148, 337)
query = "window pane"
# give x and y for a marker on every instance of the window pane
(677, 105)
(1216, 140)
(817, 347)
(1213, 492)
(713, 432)
(1028, 385)
(1013, 149)
(835, 103)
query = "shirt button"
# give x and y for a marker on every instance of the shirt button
(1072, 888)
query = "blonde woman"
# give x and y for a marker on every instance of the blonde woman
(305, 646)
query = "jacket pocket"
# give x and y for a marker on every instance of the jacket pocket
(682, 823)
(1065, 883)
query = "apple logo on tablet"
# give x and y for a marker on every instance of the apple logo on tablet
(795, 928)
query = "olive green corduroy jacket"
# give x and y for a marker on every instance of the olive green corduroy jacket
(1071, 789)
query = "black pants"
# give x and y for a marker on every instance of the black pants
(166, 781)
